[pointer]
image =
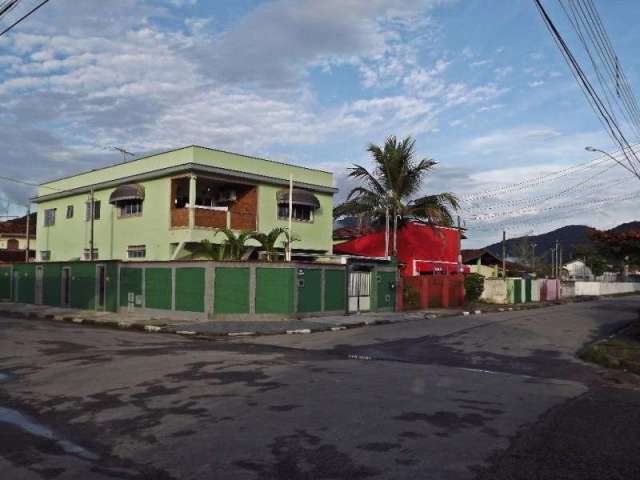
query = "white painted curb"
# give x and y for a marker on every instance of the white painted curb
(465, 313)
(477, 312)
(185, 332)
(77, 320)
(152, 328)
(337, 329)
(240, 334)
(299, 330)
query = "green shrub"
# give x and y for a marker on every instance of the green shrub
(473, 286)
(411, 297)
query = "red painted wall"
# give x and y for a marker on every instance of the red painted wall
(435, 249)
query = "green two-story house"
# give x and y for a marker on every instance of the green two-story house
(159, 206)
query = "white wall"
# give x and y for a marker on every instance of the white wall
(605, 288)
(495, 291)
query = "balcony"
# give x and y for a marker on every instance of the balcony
(217, 204)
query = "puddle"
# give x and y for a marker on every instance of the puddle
(13, 417)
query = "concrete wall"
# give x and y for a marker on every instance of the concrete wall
(605, 288)
(567, 289)
(495, 291)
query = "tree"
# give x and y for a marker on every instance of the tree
(268, 240)
(211, 251)
(235, 244)
(390, 190)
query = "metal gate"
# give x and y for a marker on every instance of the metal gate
(359, 291)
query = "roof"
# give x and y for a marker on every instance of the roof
(470, 255)
(18, 226)
(347, 233)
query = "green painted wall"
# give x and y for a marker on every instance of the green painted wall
(51, 284)
(158, 288)
(83, 285)
(5, 283)
(67, 239)
(111, 301)
(517, 291)
(231, 290)
(190, 289)
(310, 294)
(385, 294)
(527, 290)
(130, 281)
(26, 283)
(316, 235)
(274, 290)
(334, 290)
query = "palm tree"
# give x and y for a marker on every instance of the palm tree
(235, 244)
(268, 240)
(392, 188)
(211, 251)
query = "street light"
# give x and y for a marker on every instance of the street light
(593, 149)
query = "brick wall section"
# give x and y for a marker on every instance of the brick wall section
(244, 210)
(179, 217)
(210, 218)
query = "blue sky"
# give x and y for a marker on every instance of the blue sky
(479, 84)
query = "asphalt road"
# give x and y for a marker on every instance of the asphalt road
(491, 396)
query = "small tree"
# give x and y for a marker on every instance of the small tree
(235, 244)
(211, 251)
(268, 240)
(473, 286)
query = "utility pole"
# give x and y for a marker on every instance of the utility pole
(288, 254)
(504, 254)
(557, 258)
(533, 256)
(552, 258)
(459, 246)
(92, 218)
(26, 258)
(386, 227)
(395, 226)
(560, 264)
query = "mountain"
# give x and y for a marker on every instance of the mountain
(567, 236)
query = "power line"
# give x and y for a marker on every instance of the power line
(24, 17)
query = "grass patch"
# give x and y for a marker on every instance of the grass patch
(622, 351)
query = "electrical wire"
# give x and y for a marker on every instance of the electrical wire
(24, 17)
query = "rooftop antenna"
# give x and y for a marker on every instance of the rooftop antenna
(123, 152)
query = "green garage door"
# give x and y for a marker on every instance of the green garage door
(310, 290)
(334, 290)
(517, 291)
(231, 291)
(157, 288)
(274, 290)
(130, 282)
(26, 280)
(51, 294)
(190, 289)
(83, 286)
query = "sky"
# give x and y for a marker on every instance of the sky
(479, 84)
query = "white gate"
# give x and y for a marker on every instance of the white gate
(359, 291)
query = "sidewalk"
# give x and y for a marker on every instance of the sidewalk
(138, 321)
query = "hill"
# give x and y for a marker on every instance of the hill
(568, 236)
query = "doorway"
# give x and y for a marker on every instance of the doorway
(359, 291)
(101, 286)
(66, 287)
(39, 284)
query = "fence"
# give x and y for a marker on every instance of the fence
(520, 290)
(432, 291)
(193, 289)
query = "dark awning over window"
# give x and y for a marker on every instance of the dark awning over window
(131, 191)
(300, 197)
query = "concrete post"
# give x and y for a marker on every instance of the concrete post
(192, 201)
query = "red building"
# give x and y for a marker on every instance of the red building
(422, 249)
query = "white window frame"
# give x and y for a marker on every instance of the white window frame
(136, 250)
(49, 217)
(123, 206)
(45, 255)
(86, 255)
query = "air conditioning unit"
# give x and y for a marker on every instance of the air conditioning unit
(226, 196)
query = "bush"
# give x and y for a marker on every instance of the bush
(473, 286)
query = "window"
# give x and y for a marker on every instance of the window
(87, 254)
(13, 244)
(301, 213)
(45, 255)
(49, 217)
(96, 210)
(131, 208)
(69, 211)
(137, 251)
